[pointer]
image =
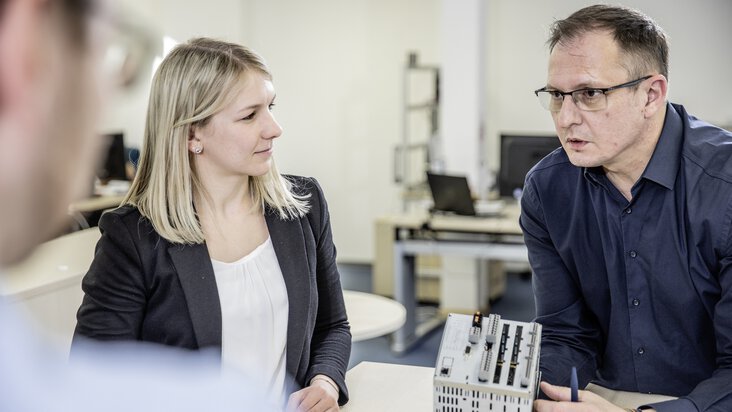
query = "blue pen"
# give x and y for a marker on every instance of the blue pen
(574, 385)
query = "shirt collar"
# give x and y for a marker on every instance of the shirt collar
(666, 158)
(594, 174)
(664, 164)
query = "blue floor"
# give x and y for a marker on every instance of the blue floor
(516, 304)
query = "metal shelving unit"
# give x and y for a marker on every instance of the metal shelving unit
(417, 151)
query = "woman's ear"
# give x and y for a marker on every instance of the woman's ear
(194, 143)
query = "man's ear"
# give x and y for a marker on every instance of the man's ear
(20, 26)
(656, 95)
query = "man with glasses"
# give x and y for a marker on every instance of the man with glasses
(629, 226)
(57, 57)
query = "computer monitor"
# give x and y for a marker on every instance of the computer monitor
(115, 159)
(519, 153)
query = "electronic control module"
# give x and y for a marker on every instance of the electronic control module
(486, 363)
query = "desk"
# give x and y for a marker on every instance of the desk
(48, 283)
(374, 386)
(494, 238)
(372, 315)
(93, 204)
(386, 387)
(81, 209)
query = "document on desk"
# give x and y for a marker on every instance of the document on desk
(626, 399)
(374, 386)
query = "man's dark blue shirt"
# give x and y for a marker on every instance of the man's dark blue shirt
(638, 295)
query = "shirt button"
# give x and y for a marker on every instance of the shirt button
(633, 254)
(636, 302)
(641, 350)
(629, 210)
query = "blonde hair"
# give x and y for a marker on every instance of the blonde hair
(193, 83)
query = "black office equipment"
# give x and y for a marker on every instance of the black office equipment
(451, 194)
(115, 159)
(519, 153)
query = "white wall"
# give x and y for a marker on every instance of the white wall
(338, 73)
(337, 68)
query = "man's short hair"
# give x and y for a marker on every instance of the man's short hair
(637, 35)
(75, 15)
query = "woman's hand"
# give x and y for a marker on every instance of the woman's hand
(320, 396)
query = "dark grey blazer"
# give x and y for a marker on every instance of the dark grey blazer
(142, 287)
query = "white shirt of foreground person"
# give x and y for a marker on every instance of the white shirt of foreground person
(35, 376)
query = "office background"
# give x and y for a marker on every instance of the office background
(339, 71)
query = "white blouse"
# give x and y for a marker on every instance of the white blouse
(254, 310)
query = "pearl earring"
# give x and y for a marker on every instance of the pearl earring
(198, 150)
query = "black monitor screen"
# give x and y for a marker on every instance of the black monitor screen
(518, 155)
(114, 159)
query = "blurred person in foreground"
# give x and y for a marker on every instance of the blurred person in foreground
(51, 83)
(214, 249)
(629, 226)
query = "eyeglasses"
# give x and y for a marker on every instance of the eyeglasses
(129, 54)
(129, 48)
(588, 99)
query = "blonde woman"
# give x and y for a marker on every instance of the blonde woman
(213, 248)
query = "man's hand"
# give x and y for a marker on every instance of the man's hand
(588, 401)
(320, 396)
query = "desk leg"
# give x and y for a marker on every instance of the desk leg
(404, 279)
(404, 293)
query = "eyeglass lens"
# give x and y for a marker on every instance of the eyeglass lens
(588, 100)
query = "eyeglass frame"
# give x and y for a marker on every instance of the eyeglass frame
(130, 37)
(603, 90)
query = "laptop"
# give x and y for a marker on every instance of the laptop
(451, 194)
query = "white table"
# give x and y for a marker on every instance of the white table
(374, 386)
(385, 387)
(48, 283)
(372, 315)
